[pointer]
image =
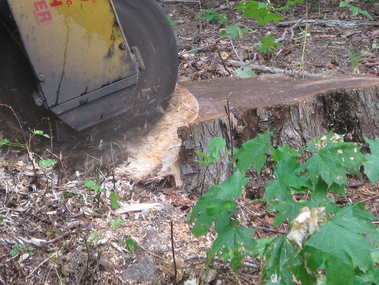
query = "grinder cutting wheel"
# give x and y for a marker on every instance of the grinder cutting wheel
(87, 61)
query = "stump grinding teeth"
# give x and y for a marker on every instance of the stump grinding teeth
(146, 27)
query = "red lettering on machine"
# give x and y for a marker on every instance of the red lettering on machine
(41, 11)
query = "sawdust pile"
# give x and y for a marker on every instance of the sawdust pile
(155, 156)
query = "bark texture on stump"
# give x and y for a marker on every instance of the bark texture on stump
(296, 111)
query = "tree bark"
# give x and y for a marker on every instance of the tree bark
(296, 111)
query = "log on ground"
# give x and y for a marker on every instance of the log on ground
(295, 110)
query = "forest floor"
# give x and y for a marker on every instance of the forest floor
(56, 228)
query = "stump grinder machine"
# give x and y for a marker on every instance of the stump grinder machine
(86, 61)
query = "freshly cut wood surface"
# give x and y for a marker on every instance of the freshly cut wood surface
(296, 110)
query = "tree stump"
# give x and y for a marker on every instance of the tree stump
(295, 110)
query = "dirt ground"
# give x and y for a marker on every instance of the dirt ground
(56, 230)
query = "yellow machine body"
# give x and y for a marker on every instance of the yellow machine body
(79, 55)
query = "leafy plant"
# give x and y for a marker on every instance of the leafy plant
(130, 244)
(268, 44)
(212, 16)
(91, 185)
(355, 10)
(114, 197)
(46, 163)
(93, 239)
(258, 10)
(234, 31)
(245, 72)
(116, 223)
(16, 249)
(172, 22)
(323, 235)
(214, 147)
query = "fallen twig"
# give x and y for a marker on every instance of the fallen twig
(273, 70)
(330, 23)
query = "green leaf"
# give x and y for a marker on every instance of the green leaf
(286, 210)
(114, 197)
(234, 31)
(231, 187)
(290, 3)
(130, 244)
(269, 17)
(245, 72)
(253, 153)
(116, 223)
(355, 10)
(215, 145)
(223, 18)
(287, 172)
(46, 163)
(262, 244)
(39, 133)
(281, 261)
(233, 243)
(335, 247)
(333, 160)
(93, 186)
(268, 44)
(372, 161)
(259, 11)
(4, 142)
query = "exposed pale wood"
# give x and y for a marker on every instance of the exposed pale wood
(295, 110)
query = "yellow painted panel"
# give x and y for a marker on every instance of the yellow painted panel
(73, 45)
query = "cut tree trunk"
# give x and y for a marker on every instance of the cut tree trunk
(295, 110)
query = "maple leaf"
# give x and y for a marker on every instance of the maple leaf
(340, 248)
(217, 204)
(253, 153)
(233, 242)
(333, 159)
(372, 163)
(284, 210)
(287, 172)
(231, 187)
(282, 260)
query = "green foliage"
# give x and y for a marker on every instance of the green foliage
(172, 22)
(253, 153)
(114, 197)
(16, 249)
(91, 185)
(245, 72)
(281, 259)
(212, 16)
(214, 148)
(4, 142)
(353, 60)
(116, 223)
(46, 163)
(93, 239)
(258, 10)
(372, 161)
(355, 10)
(29, 250)
(290, 3)
(39, 133)
(234, 242)
(325, 243)
(130, 244)
(334, 247)
(268, 44)
(333, 159)
(234, 31)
